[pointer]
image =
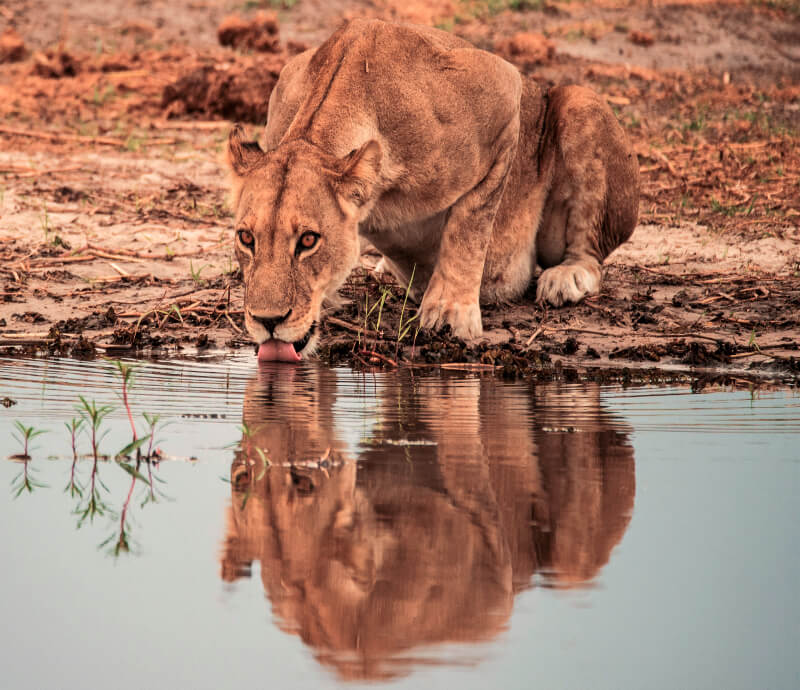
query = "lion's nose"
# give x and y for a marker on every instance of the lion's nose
(271, 322)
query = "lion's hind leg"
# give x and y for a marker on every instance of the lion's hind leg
(593, 200)
(565, 249)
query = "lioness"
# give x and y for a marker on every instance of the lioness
(440, 154)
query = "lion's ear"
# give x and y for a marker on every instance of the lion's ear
(361, 169)
(243, 155)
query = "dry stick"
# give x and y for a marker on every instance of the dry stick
(96, 249)
(119, 270)
(751, 354)
(45, 263)
(536, 333)
(115, 257)
(378, 355)
(233, 325)
(351, 327)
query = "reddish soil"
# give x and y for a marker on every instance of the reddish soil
(115, 232)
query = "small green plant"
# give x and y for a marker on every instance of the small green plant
(698, 122)
(733, 210)
(246, 430)
(134, 143)
(173, 309)
(196, 273)
(404, 327)
(44, 221)
(152, 423)
(126, 372)
(94, 416)
(229, 268)
(102, 97)
(753, 342)
(26, 434)
(73, 427)
(386, 294)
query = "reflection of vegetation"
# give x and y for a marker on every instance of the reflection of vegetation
(24, 481)
(92, 494)
(74, 426)
(94, 415)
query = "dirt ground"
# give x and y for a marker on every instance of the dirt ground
(115, 236)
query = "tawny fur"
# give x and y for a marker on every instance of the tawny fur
(446, 160)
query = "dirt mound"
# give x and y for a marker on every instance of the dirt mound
(237, 90)
(259, 34)
(12, 48)
(55, 64)
(526, 49)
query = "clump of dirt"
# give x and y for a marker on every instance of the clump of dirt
(237, 90)
(641, 38)
(526, 49)
(259, 34)
(55, 64)
(12, 47)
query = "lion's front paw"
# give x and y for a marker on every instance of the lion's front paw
(567, 283)
(440, 307)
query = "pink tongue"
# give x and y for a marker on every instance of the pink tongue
(277, 351)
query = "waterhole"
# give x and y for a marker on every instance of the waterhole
(298, 526)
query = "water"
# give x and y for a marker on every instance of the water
(440, 529)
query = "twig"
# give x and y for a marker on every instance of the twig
(233, 325)
(115, 257)
(750, 354)
(351, 327)
(118, 253)
(119, 270)
(377, 355)
(55, 261)
(655, 153)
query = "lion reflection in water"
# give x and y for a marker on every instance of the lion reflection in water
(459, 493)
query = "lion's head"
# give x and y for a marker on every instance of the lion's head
(297, 211)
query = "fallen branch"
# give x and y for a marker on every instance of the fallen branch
(353, 328)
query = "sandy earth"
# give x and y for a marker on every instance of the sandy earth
(115, 234)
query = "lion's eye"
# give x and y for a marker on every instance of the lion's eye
(308, 240)
(246, 238)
